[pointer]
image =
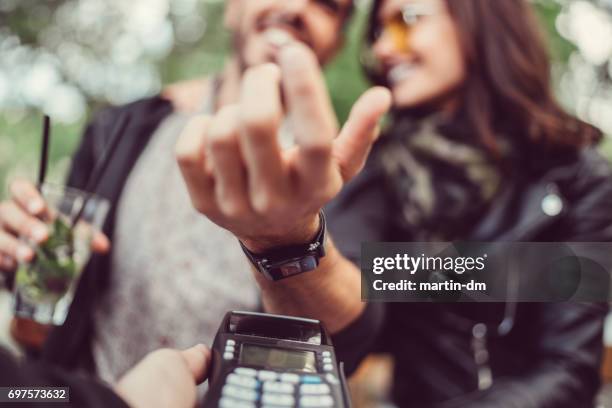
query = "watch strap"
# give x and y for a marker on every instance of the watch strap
(287, 261)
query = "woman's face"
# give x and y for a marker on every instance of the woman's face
(421, 58)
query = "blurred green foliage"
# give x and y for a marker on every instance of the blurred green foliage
(20, 130)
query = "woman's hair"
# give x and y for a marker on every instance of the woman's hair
(508, 74)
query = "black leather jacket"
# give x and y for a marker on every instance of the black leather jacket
(552, 356)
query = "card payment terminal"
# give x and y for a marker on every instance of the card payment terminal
(263, 360)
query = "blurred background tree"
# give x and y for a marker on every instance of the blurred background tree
(70, 57)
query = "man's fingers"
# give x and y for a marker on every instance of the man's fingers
(11, 250)
(310, 110)
(312, 119)
(261, 114)
(223, 152)
(197, 359)
(7, 264)
(190, 155)
(352, 146)
(14, 219)
(28, 197)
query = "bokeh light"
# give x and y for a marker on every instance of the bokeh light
(68, 58)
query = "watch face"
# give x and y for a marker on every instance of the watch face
(296, 266)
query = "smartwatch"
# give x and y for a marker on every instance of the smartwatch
(284, 262)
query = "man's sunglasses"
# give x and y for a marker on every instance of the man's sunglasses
(332, 6)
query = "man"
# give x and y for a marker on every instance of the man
(171, 274)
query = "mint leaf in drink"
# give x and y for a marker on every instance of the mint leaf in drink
(54, 268)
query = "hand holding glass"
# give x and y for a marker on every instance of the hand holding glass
(44, 286)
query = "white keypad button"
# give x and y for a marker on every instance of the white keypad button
(316, 401)
(290, 378)
(250, 372)
(226, 402)
(265, 375)
(228, 356)
(328, 367)
(280, 387)
(327, 360)
(315, 389)
(239, 393)
(242, 380)
(278, 399)
(230, 342)
(326, 354)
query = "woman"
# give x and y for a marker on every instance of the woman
(478, 150)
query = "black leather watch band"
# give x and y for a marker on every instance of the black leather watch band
(284, 262)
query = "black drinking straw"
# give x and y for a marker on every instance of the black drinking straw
(102, 165)
(44, 151)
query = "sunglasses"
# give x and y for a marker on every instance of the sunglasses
(333, 6)
(400, 26)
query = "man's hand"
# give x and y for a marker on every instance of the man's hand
(239, 177)
(23, 216)
(165, 378)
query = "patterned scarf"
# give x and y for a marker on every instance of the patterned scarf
(440, 178)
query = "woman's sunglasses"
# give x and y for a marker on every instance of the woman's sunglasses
(400, 26)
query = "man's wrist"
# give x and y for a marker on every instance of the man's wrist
(289, 258)
(301, 234)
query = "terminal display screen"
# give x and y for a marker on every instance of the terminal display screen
(270, 357)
